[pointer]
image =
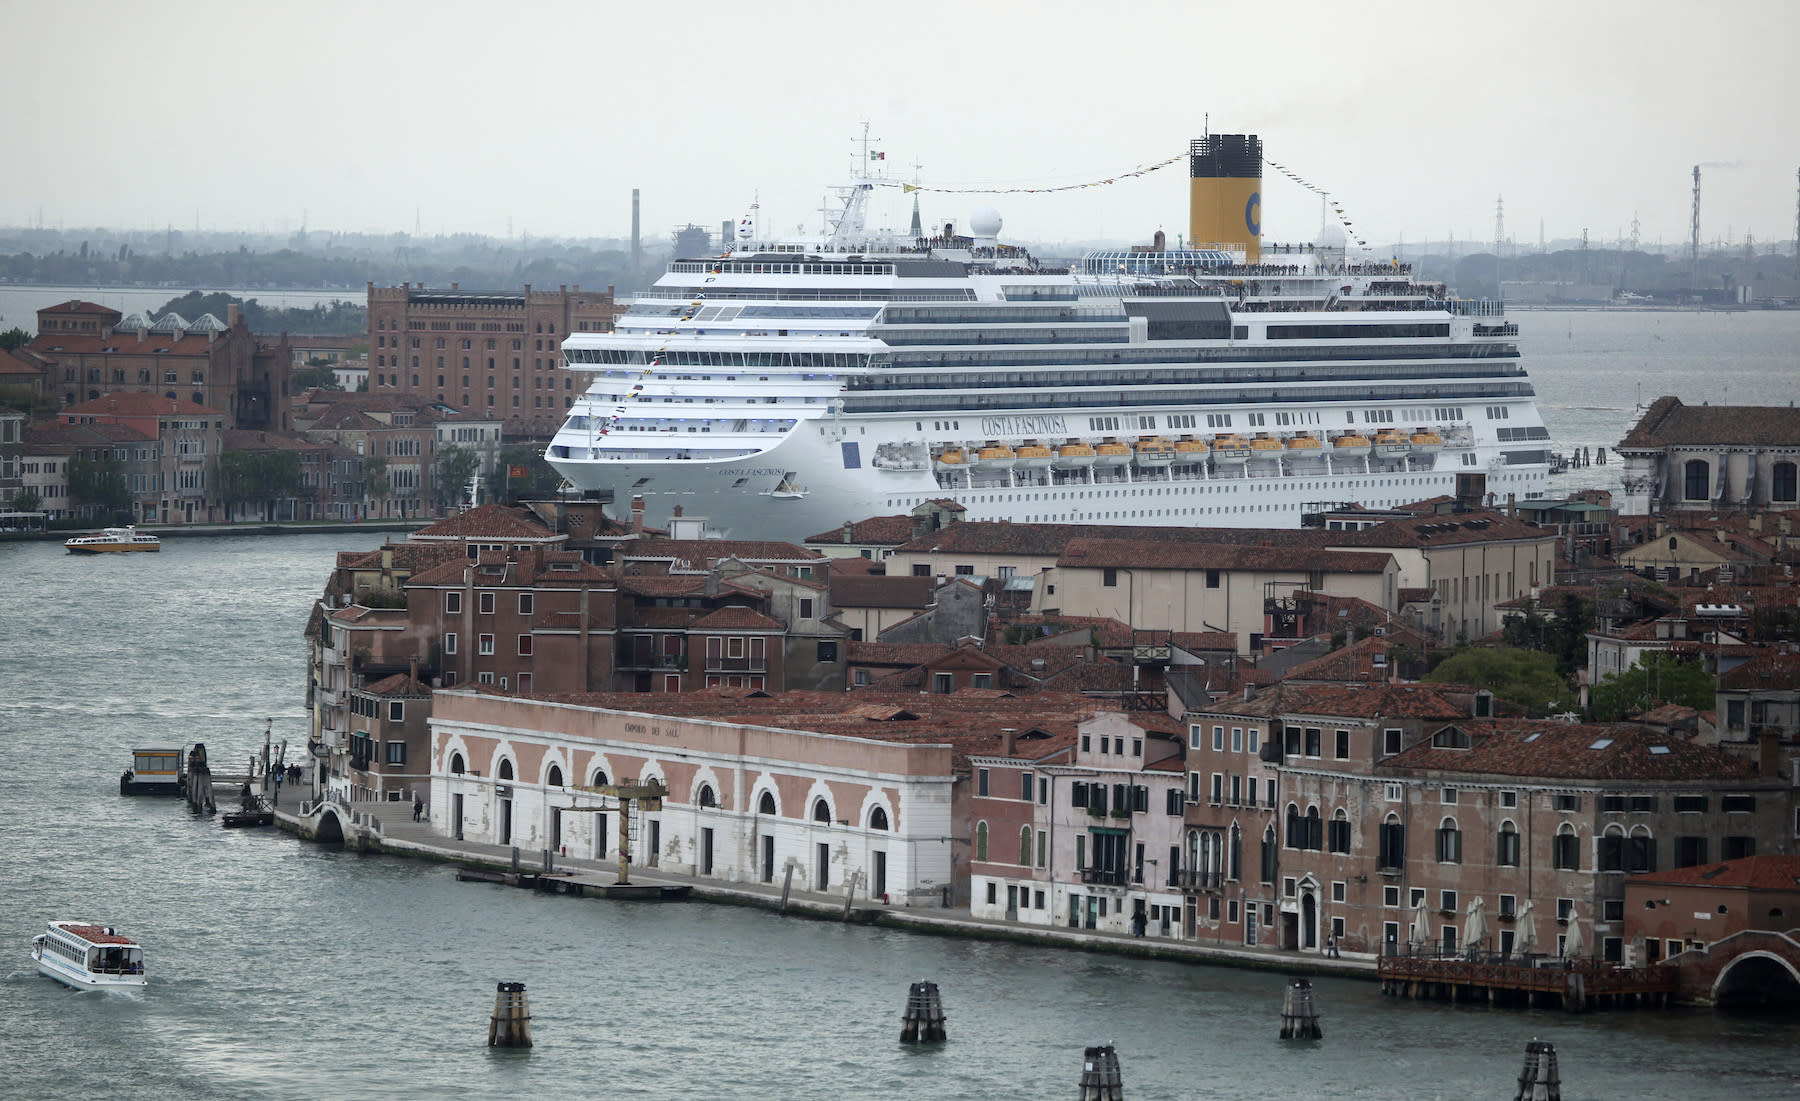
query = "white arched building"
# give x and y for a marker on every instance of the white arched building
(745, 802)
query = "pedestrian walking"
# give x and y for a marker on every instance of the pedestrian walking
(1331, 946)
(418, 807)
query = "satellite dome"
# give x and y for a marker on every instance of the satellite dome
(985, 221)
(1332, 236)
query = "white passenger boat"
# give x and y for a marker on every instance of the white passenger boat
(113, 540)
(87, 956)
(842, 353)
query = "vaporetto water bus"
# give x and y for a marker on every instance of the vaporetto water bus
(87, 956)
(787, 386)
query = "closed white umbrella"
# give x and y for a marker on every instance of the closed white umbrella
(1422, 925)
(1475, 929)
(1574, 945)
(1526, 938)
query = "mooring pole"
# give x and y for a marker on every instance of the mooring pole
(1100, 1080)
(510, 1025)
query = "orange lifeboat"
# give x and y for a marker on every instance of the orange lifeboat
(1427, 442)
(1304, 446)
(1154, 451)
(1230, 448)
(1112, 454)
(1350, 446)
(1390, 444)
(1034, 455)
(1265, 447)
(1190, 450)
(952, 458)
(996, 457)
(1073, 456)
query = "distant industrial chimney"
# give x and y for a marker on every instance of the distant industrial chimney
(637, 248)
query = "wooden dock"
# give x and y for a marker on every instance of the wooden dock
(1576, 985)
(580, 884)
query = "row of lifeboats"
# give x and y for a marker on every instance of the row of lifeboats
(1159, 451)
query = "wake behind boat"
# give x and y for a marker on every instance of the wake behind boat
(88, 956)
(1221, 383)
(113, 540)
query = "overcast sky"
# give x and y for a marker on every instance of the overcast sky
(542, 117)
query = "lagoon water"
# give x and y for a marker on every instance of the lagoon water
(280, 969)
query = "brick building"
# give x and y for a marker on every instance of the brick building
(177, 446)
(86, 351)
(494, 355)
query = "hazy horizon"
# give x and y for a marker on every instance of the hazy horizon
(540, 119)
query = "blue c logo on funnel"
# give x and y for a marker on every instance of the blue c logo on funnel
(1253, 214)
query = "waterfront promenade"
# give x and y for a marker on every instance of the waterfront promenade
(398, 835)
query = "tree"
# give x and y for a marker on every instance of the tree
(1561, 634)
(1656, 679)
(375, 477)
(455, 466)
(1526, 679)
(321, 376)
(262, 476)
(14, 337)
(98, 486)
(26, 500)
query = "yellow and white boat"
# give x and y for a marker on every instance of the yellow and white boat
(1112, 454)
(1350, 446)
(1190, 450)
(1154, 451)
(1304, 447)
(1427, 442)
(1034, 455)
(1265, 447)
(1073, 456)
(996, 457)
(1390, 444)
(952, 458)
(1230, 448)
(112, 541)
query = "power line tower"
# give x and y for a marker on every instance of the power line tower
(1499, 223)
(1634, 231)
(1694, 239)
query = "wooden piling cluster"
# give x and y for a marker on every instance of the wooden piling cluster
(510, 1026)
(1539, 1080)
(1100, 1080)
(196, 783)
(1576, 985)
(1299, 1016)
(923, 1021)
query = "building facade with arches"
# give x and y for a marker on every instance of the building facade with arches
(746, 802)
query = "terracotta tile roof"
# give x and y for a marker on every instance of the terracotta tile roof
(340, 418)
(1055, 659)
(1573, 751)
(400, 684)
(857, 566)
(248, 439)
(1774, 669)
(736, 618)
(1103, 631)
(358, 616)
(411, 557)
(1199, 642)
(161, 345)
(903, 654)
(971, 725)
(54, 434)
(126, 404)
(1436, 530)
(880, 591)
(522, 572)
(1755, 873)
(1416, 596)
(1121, 553)
(490, 521)
(77, 305)
(1669, 423)
(876, 530)
(13, 365)
(1354, 663)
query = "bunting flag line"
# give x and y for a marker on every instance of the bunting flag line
(1141, 170)
(1336, 207)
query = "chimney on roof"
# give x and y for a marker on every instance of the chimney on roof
(1249, 692)
(453, 286)
(412, 670)
(677, 513)
(387, 558)
(637, 516)
(231, 314)
(1768, 752)
(140, 333)
(1009, 741)
(849, 531)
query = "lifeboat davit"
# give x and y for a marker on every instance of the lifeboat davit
(1230, 448)
(1154, 451)
(952, 458)
(1112, 454)
(996, 457)
(1073, 456)
(1427, 442)
(1350, 446)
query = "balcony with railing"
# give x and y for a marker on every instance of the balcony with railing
(716, 664)
(1196, 879)
(1106, 877)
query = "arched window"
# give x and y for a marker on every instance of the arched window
(1235, 869)
(1296, 836)
(600, 779)
(821, 811)
(457, 767)
(1315, 830)
(707, 798)
(766, 805)
(505, 772)
(1339, 841)
(554, 777)
(1640, 850)
(878, 819)
(1783, 483)
(1393, 843)
(1697, 480)
(1269, 855)
(1506, 852)
(981, 834)
(1449, 842)
(1565, 851)
(1024, 846)
(1611, 855)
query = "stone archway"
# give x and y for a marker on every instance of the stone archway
(329, 830)
(1757, 979)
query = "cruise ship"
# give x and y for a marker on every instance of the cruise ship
(785, 387)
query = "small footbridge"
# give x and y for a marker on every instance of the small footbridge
(1748, 969)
